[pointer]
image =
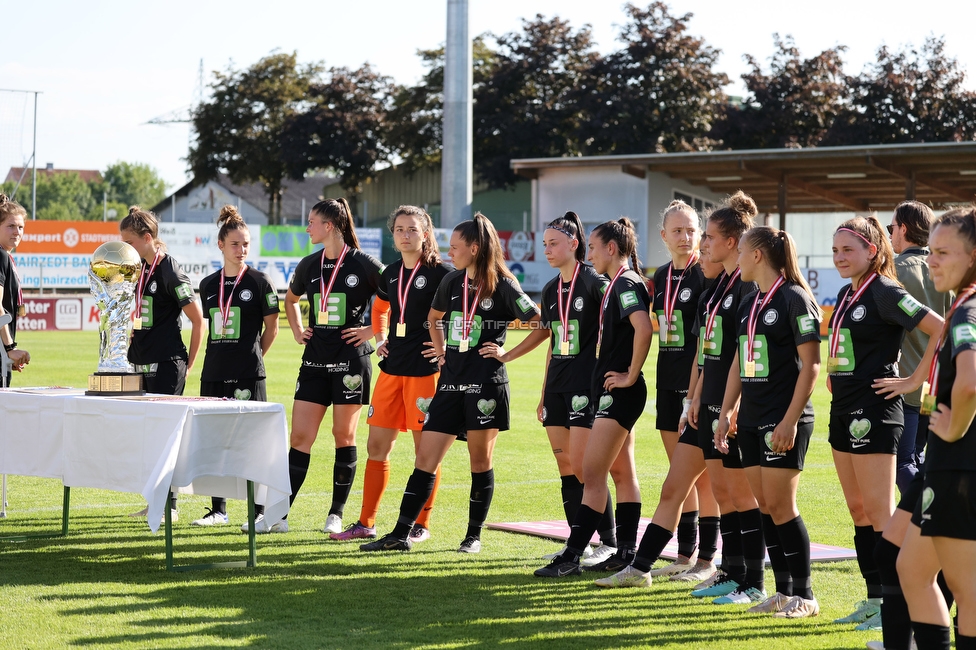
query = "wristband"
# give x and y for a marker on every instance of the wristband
(8, 348)
(685, 407)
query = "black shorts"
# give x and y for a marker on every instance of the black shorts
(625, 405)
(165, 377)
(669, 408)
(947, 507)
(574, 409)
(707, 424)
(254, 390)
(912, 493)
(471, 407)
(872, 430)
(754, 443)
(689, 436)
(347, 382)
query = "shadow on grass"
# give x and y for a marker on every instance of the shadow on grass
(307, 592)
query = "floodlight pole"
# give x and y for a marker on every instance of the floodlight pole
(457, 160)
(34, 169)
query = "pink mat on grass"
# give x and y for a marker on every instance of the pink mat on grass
(558, 530)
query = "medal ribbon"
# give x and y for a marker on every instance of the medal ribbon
(20, 284)
(710, 321)
(225, 308)
(845, 305)
(324, 295)
(564, 313)
(143, 279)
(468, 317)
(404, 288)
(757, 308)
(671, 299)
(603, 306)
(967, 293)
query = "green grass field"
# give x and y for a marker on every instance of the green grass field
(105, 585)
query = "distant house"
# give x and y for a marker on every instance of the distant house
(201, 202)
(23, 174)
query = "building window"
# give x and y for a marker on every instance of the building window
(701, 205)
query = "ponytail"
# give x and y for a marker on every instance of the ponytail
(229, 219)
(735, 216)
(142, 223)
(572, 226)
(779, 253)
(489, 263)
(340, 214)
(623, 233)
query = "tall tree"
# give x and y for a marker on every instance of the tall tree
(659, 92)
(908, 96)
(131, 184)
(343, 128)
(60, 196)
(240, 129)
(527, 107)
(416, 119)
(793, 105)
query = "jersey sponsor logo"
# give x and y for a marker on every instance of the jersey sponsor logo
(152, 287)
(272, 299)
(713, 346)
(928, 497)
(525, 303)
(727, 302)
(246, 295)
(573, 337)
(846, 361)
(859, 429)
(605, 402)
(352, 382)
(671, 335)
(579, 402)
(909, 305)
(242, 394)
(859, 313)
(423, 403)
(146, 312)
(628, 299)
(805, 324)
(963, 333)
(578, 304)
(770, 317)
(420, 282)
(219, 330)
(487, 304)
(335, 309)
(184, 291)
(685, 295)
(352, 280)
(760, 355)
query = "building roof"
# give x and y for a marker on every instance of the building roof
(86, 175)
(827, 179)
(311, 188)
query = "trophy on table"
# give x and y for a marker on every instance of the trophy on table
(112, 276)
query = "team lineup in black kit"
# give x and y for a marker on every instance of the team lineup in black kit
(739, 353)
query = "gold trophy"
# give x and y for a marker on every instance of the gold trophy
(112, 275)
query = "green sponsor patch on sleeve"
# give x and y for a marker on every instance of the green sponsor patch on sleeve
(183, 291)
(963, 333)
(272, 299)
(909, 305)
(628, 299)
(525, 303)
(806, 324)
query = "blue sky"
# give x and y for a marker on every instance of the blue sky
(105, 68)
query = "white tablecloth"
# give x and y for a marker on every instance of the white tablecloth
(147, 445)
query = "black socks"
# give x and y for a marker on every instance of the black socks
(732, 562)
(628, 519)
(419, 486)
(297, 471)
(753, 547)
(781, 570)
(708, 528)
(688, 533)
(572, 493)
(580, 532)
(608, 525)
(896, 623)
(482, 489)
(343, 474)
(865, 539)
(652, 544)
(795, 542)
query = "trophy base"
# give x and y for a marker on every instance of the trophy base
(114, 384)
